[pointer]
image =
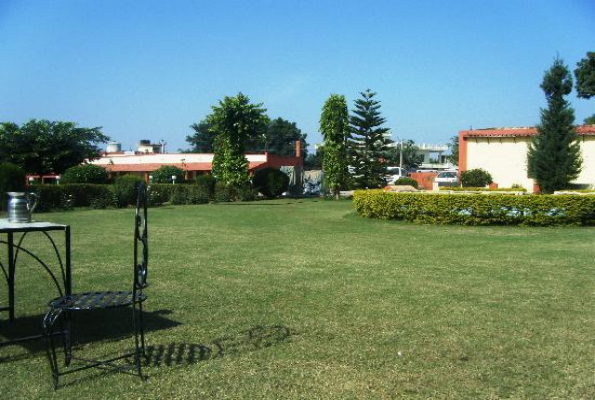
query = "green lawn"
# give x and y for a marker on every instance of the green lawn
(304, 299)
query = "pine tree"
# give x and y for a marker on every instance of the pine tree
(369, 144)
(554, 154)
(334, 126)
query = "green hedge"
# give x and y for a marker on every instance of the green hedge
(482, 189)
(477, 209)
(65, 197)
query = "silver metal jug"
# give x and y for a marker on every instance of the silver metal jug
(20, 206)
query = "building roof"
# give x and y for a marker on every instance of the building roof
(149, 167)
(587, 130)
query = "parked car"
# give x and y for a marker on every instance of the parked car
(393, 174)
(447, 178)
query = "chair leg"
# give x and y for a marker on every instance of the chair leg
(48, 329)
(142, 330)
(66, 329)
(136, 320)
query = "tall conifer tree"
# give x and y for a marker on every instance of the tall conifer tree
(334, 126)
(554, 156)
(369, 144)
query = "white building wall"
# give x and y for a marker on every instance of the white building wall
(506, 159)
(587, 175)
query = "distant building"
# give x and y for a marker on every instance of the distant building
(144, 162)
(503, 153)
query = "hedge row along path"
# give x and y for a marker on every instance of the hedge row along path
(477, 209)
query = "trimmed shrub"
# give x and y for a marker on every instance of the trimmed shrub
(223, 193)
(65, 197)
(271, 182)
(226, 193)
(86, 173)
(482, 189)
(198, 194)
(407, 181)
(477, 209)
(475, 178)
(12, 179)
(159, 193)
(179, 194)
(126, 188)
(206, 183)
(164, 173)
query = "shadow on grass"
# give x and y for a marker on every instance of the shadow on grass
(253, 339)
(87, 327)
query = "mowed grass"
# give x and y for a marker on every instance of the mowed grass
(304, 299)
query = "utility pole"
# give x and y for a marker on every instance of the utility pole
(401, 155)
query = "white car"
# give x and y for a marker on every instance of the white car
(393, 174)
(447, 178)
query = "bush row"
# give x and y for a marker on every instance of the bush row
(477, 209)
(482, 189)
(123, 194)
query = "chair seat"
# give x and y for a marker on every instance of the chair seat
(95, 300)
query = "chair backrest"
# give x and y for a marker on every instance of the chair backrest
(141, 241)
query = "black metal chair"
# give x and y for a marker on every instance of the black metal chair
(61, 309)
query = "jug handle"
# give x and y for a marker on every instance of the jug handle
(29, 206)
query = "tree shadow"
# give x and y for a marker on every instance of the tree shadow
(180, 354)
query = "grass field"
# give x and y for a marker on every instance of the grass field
(304, 299)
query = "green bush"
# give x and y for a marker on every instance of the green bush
(126, 189)
(86, 173)
(66, 197)
(12, 179)
(226, 193)
(206, 183)
(223, 193)
(407, 181)
(475, 178)
(271, 182)
(159, 193)
(164, 173)
(482, 189)
(477, 209)
(198, 194)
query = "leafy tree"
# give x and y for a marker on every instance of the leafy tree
(234, 122)
(369, 143)
(86, 173)
(281, 136)
(453, 157)
(590, 120)
(314, 161)
(411, 158)
(42, 146)
(585, 76)
(201, 141)
(334, 126)
(164, 174)
(554, 157)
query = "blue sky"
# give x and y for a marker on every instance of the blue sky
(149, 69)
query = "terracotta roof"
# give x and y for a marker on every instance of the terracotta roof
(149, 167)
(517, 132)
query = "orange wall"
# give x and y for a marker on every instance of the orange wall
(424, 179)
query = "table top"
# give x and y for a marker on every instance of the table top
(6, 226)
